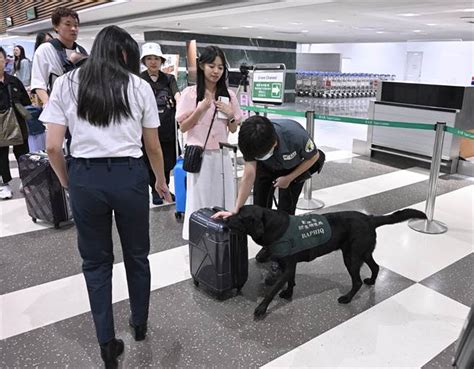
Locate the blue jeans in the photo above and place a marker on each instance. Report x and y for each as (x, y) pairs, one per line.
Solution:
(98, 187)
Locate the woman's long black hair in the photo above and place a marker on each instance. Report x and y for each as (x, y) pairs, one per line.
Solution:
(40, 37)
(18, 59)
(104, 78)
(208, 56)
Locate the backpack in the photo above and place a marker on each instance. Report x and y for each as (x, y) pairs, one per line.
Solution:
(167, 111)
(65, 62)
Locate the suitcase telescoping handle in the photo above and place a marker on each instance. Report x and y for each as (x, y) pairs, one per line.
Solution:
(234, 148)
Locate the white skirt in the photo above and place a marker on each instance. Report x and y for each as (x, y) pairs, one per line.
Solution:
(206, 188)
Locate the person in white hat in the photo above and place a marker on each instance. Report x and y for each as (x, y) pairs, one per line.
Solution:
(166, 92)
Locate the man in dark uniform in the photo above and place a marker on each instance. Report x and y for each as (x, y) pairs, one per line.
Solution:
(166, 92)
(278, 154)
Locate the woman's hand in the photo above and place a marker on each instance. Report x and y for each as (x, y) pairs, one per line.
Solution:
(225, 108)
(163, 191)
(222, 214)
(204, 105)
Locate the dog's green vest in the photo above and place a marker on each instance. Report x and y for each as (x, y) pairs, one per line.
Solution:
(304, 232)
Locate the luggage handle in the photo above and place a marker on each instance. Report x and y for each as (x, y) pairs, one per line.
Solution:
(229, 146)
(218, 208)
(234, 148)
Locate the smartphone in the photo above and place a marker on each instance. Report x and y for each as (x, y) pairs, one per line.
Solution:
(220, 114)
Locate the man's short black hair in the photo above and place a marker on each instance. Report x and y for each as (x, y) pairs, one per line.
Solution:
(256, 137)
(63, 12)
(2, 50)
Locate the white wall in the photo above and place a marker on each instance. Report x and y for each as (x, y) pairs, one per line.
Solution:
(450, 62)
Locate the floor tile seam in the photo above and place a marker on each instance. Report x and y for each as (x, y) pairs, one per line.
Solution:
(446, 267)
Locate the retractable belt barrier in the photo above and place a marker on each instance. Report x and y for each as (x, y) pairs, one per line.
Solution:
(429, 225)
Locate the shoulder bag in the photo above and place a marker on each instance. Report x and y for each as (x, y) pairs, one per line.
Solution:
(193, 153)
(10, 132)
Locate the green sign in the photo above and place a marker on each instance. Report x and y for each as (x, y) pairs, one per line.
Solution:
(267, 90)
(268, 86)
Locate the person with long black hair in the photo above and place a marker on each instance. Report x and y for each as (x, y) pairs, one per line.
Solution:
(22, 66)
(41, 38)
(198, 108)
(108, 108)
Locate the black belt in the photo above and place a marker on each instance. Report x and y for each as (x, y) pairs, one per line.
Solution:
(123, 159)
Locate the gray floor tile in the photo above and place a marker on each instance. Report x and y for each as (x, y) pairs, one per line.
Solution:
(190, 329)
(389, 201)
(455, 281)
(443, 360)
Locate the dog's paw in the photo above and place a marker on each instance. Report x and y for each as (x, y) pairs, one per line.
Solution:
(260, 312)
(369, 281)
(286, 294)
(344, 299)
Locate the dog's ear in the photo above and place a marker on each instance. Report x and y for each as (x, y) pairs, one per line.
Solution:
(254, 225)
(235, 223)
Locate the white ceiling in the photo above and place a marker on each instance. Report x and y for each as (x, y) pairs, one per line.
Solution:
(303, 21)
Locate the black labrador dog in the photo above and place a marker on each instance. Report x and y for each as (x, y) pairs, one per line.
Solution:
(351, 231)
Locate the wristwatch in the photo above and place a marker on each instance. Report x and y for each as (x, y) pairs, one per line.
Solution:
(232, 120)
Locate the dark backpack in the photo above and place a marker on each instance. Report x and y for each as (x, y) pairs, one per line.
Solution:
(65, 62)
(167, 111)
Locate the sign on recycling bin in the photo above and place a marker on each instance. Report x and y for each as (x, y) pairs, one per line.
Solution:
(268, 85)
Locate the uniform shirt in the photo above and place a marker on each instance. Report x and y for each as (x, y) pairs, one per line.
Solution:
(197, 134)
(116, 140)
(294, 145)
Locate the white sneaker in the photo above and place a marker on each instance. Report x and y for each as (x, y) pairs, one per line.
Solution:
(5, 192)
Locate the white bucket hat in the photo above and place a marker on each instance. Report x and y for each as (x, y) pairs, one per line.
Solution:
(152, 48)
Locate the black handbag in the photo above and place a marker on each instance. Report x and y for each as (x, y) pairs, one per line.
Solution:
(193, 153)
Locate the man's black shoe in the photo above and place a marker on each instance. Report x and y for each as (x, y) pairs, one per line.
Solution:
(110, 351)
(138, 330)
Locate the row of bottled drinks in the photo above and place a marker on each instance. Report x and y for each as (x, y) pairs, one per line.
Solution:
(355, 107)
(338, 85)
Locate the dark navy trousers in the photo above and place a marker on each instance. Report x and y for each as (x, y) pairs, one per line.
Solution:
(263, 190)
(100, 188)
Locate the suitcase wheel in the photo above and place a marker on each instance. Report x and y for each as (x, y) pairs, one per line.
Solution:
(178, 215)
(56, 225)
(196, 282)
(34, 219)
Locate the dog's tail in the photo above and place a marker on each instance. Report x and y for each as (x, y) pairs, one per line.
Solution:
(397, 217)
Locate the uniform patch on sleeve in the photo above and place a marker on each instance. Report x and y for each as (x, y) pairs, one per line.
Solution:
(309, 146)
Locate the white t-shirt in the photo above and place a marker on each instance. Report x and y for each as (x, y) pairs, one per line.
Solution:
(116, 140)
(45, 62)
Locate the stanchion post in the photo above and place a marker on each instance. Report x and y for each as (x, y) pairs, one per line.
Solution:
(430, 225)
(307, 202)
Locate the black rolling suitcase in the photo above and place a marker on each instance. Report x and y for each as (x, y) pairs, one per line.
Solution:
(218, 257)
(45, 197)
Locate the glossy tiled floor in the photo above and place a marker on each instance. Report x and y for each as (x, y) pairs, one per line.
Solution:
(409, 319)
